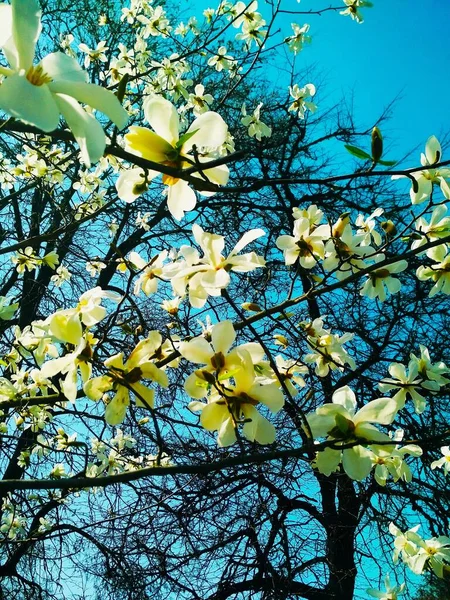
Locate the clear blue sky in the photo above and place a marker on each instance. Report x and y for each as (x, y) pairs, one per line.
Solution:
(401, 49)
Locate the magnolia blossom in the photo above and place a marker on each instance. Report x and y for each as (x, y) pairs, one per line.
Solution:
(391, 462)
(125, 377)
(424, 180)
(209, 275)
(439, 272)
(66, 325)
(327, 350)
(408, 384)
(151, 272)
(392, 591)
(381, 279)
(295, 42)
(437, 228)
(353, 7)
(39, 94)
(418, 553)
(235, 402)
(221, 60)
(302, 100)
(215, 357)
(306, 243)
(256, 128)
(366, 227)
(339, 422)
(444, 462)
(165, 146)
(69, 364)
(345, 252)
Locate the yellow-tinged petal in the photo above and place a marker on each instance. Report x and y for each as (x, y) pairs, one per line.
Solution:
(147, 395)
(196, 388)
(213, 415)
(163, 118)
(115, 362)
(95, 96)
(96, 387)
(66, 326)
(197, 351)
(86, 129)
(327, 461)
(381, 411)
(227, 433)
(258, 428)
(151, 371)
(33, 104)
(223, 336)
(144, 349)
(117, 409)
(143, 142)
(26, 29)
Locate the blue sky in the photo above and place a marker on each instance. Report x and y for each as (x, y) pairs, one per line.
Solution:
(400, 50)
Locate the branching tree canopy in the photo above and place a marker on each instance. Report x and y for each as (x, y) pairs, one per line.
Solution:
(223, 353)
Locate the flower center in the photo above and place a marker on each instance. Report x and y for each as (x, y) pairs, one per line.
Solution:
(37, 76)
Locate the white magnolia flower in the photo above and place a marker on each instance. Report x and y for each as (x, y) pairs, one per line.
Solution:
(391, 593)
(125, 378)
(437, 228)
(340, 422)
(165, 146)
(39, 94)
(235, 402)
(408, 383)
(444, 462)
(439, 272)
(424, 180)
(256, 128)
(296, 42)
(302, 100)
(209, 275)
(306, 243)
(96, 54)
(366, 227)
(353, 7)
(381, 279)
(221, 61)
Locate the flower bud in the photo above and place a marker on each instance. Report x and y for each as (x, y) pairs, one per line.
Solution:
(377, 144)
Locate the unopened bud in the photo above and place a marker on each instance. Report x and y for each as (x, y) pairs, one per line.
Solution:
(377, 144)
(281, 340)
(251, 306)
(388, 227)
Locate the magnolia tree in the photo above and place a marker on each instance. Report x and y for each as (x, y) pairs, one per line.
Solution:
(223, 361)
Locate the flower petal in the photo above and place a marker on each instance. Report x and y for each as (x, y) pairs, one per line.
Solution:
(357, 462)
(86, 129)
(143, 142)
(95, 96)
(61, 66)
(180, 199)
(223, 336)
(381, 411)
(26, 26)
(163, 118)
(211, 132)
(5, 23)
(30, 103)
